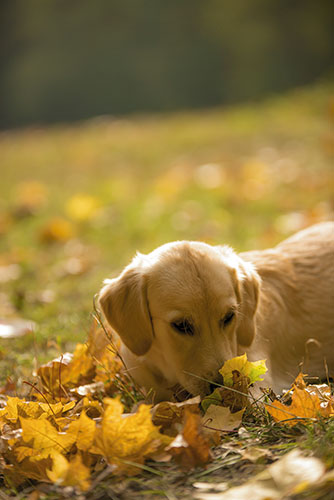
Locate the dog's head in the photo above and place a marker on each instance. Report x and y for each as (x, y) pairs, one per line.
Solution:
(184, 309)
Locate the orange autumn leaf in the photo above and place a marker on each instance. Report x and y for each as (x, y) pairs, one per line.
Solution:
(191, 448)
(311, 401)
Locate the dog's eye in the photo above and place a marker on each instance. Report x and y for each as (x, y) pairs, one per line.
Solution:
(228, 318)
(184, 327)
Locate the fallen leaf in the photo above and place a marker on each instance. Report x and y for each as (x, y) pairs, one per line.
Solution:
(290, 474)
(255, 454)
(251, 369)
(44, 437)
(214, 398)
(11, 328)
(166, 414)
(221, 419)
(68, 370)
(17, 473)
(191, 448)
(69, 473)
(307, 402)
(82, 431)
(127, 438)
(234, 397)
(9, 387)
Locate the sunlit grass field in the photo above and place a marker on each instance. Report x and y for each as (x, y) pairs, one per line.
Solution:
(77, 201)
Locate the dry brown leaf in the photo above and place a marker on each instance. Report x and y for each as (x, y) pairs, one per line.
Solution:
(236, 399)
(291, 474)
(67, 371)
(166, 414)
(220, 418)
(17, 473)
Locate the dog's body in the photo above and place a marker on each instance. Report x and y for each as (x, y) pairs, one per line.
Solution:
(187, 307)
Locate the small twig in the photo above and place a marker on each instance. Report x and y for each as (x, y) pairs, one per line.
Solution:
(41, 394)
(105, 473)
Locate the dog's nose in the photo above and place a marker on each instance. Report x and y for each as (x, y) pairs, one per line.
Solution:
(219, 381)
(212, 387)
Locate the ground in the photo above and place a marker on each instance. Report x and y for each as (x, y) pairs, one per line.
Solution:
(77, 201)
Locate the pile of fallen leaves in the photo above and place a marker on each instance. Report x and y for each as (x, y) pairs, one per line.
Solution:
(84, 414)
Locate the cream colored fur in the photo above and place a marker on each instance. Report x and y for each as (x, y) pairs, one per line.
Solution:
(282, 300)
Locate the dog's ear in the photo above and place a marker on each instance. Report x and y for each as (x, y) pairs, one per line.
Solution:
(248, 287)
(123, 301)
(247, 284)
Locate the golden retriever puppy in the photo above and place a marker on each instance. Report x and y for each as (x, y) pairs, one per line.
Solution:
(187, 307)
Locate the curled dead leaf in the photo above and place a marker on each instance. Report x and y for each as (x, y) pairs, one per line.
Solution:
(168, 415)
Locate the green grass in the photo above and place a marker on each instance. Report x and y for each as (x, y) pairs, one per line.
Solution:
(269, 174)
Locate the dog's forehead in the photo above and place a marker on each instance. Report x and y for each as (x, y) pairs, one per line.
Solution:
(189, 273)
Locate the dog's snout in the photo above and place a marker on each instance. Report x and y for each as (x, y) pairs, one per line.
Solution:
(217, 382)
(212, 387)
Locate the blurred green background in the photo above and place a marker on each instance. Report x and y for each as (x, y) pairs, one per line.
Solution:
(249, 166)
(64, 60)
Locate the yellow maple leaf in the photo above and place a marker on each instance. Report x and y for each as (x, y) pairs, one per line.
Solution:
(22, 452)
(68, 370)
(44, 437)
(83, 431)
(250, 369)
(69, 473)
(10, 412)
(127, 438)
(88, 402)
(17, 407)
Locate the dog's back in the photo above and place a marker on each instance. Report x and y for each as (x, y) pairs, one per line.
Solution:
(298, 281)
